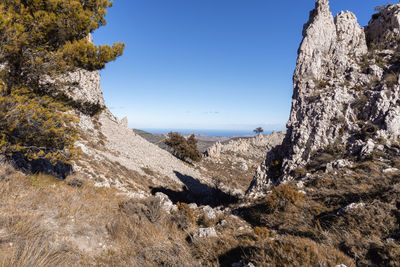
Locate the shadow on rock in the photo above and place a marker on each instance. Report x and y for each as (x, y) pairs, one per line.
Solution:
(197, 192)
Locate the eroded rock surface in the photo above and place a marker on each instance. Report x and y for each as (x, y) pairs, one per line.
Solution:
(346, 91)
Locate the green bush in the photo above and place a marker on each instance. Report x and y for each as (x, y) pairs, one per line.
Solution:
(184, 149)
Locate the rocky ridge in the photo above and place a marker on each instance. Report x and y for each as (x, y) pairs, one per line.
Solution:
(246, 147)
(346, 91)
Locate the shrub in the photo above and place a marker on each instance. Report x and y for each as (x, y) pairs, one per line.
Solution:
(299, 172)
(184, 149)
(391, 79)
(282, 196)
(149, 208)
(294, 251)
(154, 210)
(186, 211)
(322, 84)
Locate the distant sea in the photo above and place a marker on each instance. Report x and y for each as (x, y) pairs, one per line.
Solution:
(228, 133)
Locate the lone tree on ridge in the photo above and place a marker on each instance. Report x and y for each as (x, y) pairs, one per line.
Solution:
(258, 130)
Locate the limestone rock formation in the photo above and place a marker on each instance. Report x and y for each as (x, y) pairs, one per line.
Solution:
(86, 87)
(248, 147)
(346, 91)
(83, 86)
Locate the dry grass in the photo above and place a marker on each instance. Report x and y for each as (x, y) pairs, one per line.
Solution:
(369, 235)
(50, 223)
(46, 222)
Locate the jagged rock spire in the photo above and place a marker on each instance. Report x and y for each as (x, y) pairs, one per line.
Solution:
(322, 5)
(329, 80)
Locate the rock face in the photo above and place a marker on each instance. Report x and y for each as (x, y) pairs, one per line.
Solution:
(84, 86)
(248, 147)
(346, 90)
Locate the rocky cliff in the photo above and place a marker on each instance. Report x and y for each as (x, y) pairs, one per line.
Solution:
(346, 92)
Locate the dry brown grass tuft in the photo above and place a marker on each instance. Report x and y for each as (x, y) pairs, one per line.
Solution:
(282, 197)
(293, 251)
(140, 242)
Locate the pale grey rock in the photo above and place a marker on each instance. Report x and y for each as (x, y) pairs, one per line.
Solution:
(392, 121)
(214, 151)
(300, 184)
(390, 240)
(193, 206)
(132, 153)
(341, 265)
(242, 264)
(83, 86)
(124, 121)
(380, 147)
(209, 213)
(243, 166)
(86, 87)
(335, 90)
(375, 71)
(367, 148)
(351, 206)
(238, 193)
(390, 170)
(166, 203)
(205, 233)
(385, 25)
(338, 164)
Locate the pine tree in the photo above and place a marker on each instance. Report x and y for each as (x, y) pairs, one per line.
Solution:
(41, 40)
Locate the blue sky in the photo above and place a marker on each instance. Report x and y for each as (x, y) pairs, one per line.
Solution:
(207, 64)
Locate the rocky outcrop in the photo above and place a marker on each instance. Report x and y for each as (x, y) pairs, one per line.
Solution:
(246, 147)
(85, 87)
(346, 93)
(82, 86)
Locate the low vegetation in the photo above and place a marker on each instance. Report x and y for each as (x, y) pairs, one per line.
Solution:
(185, 149)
